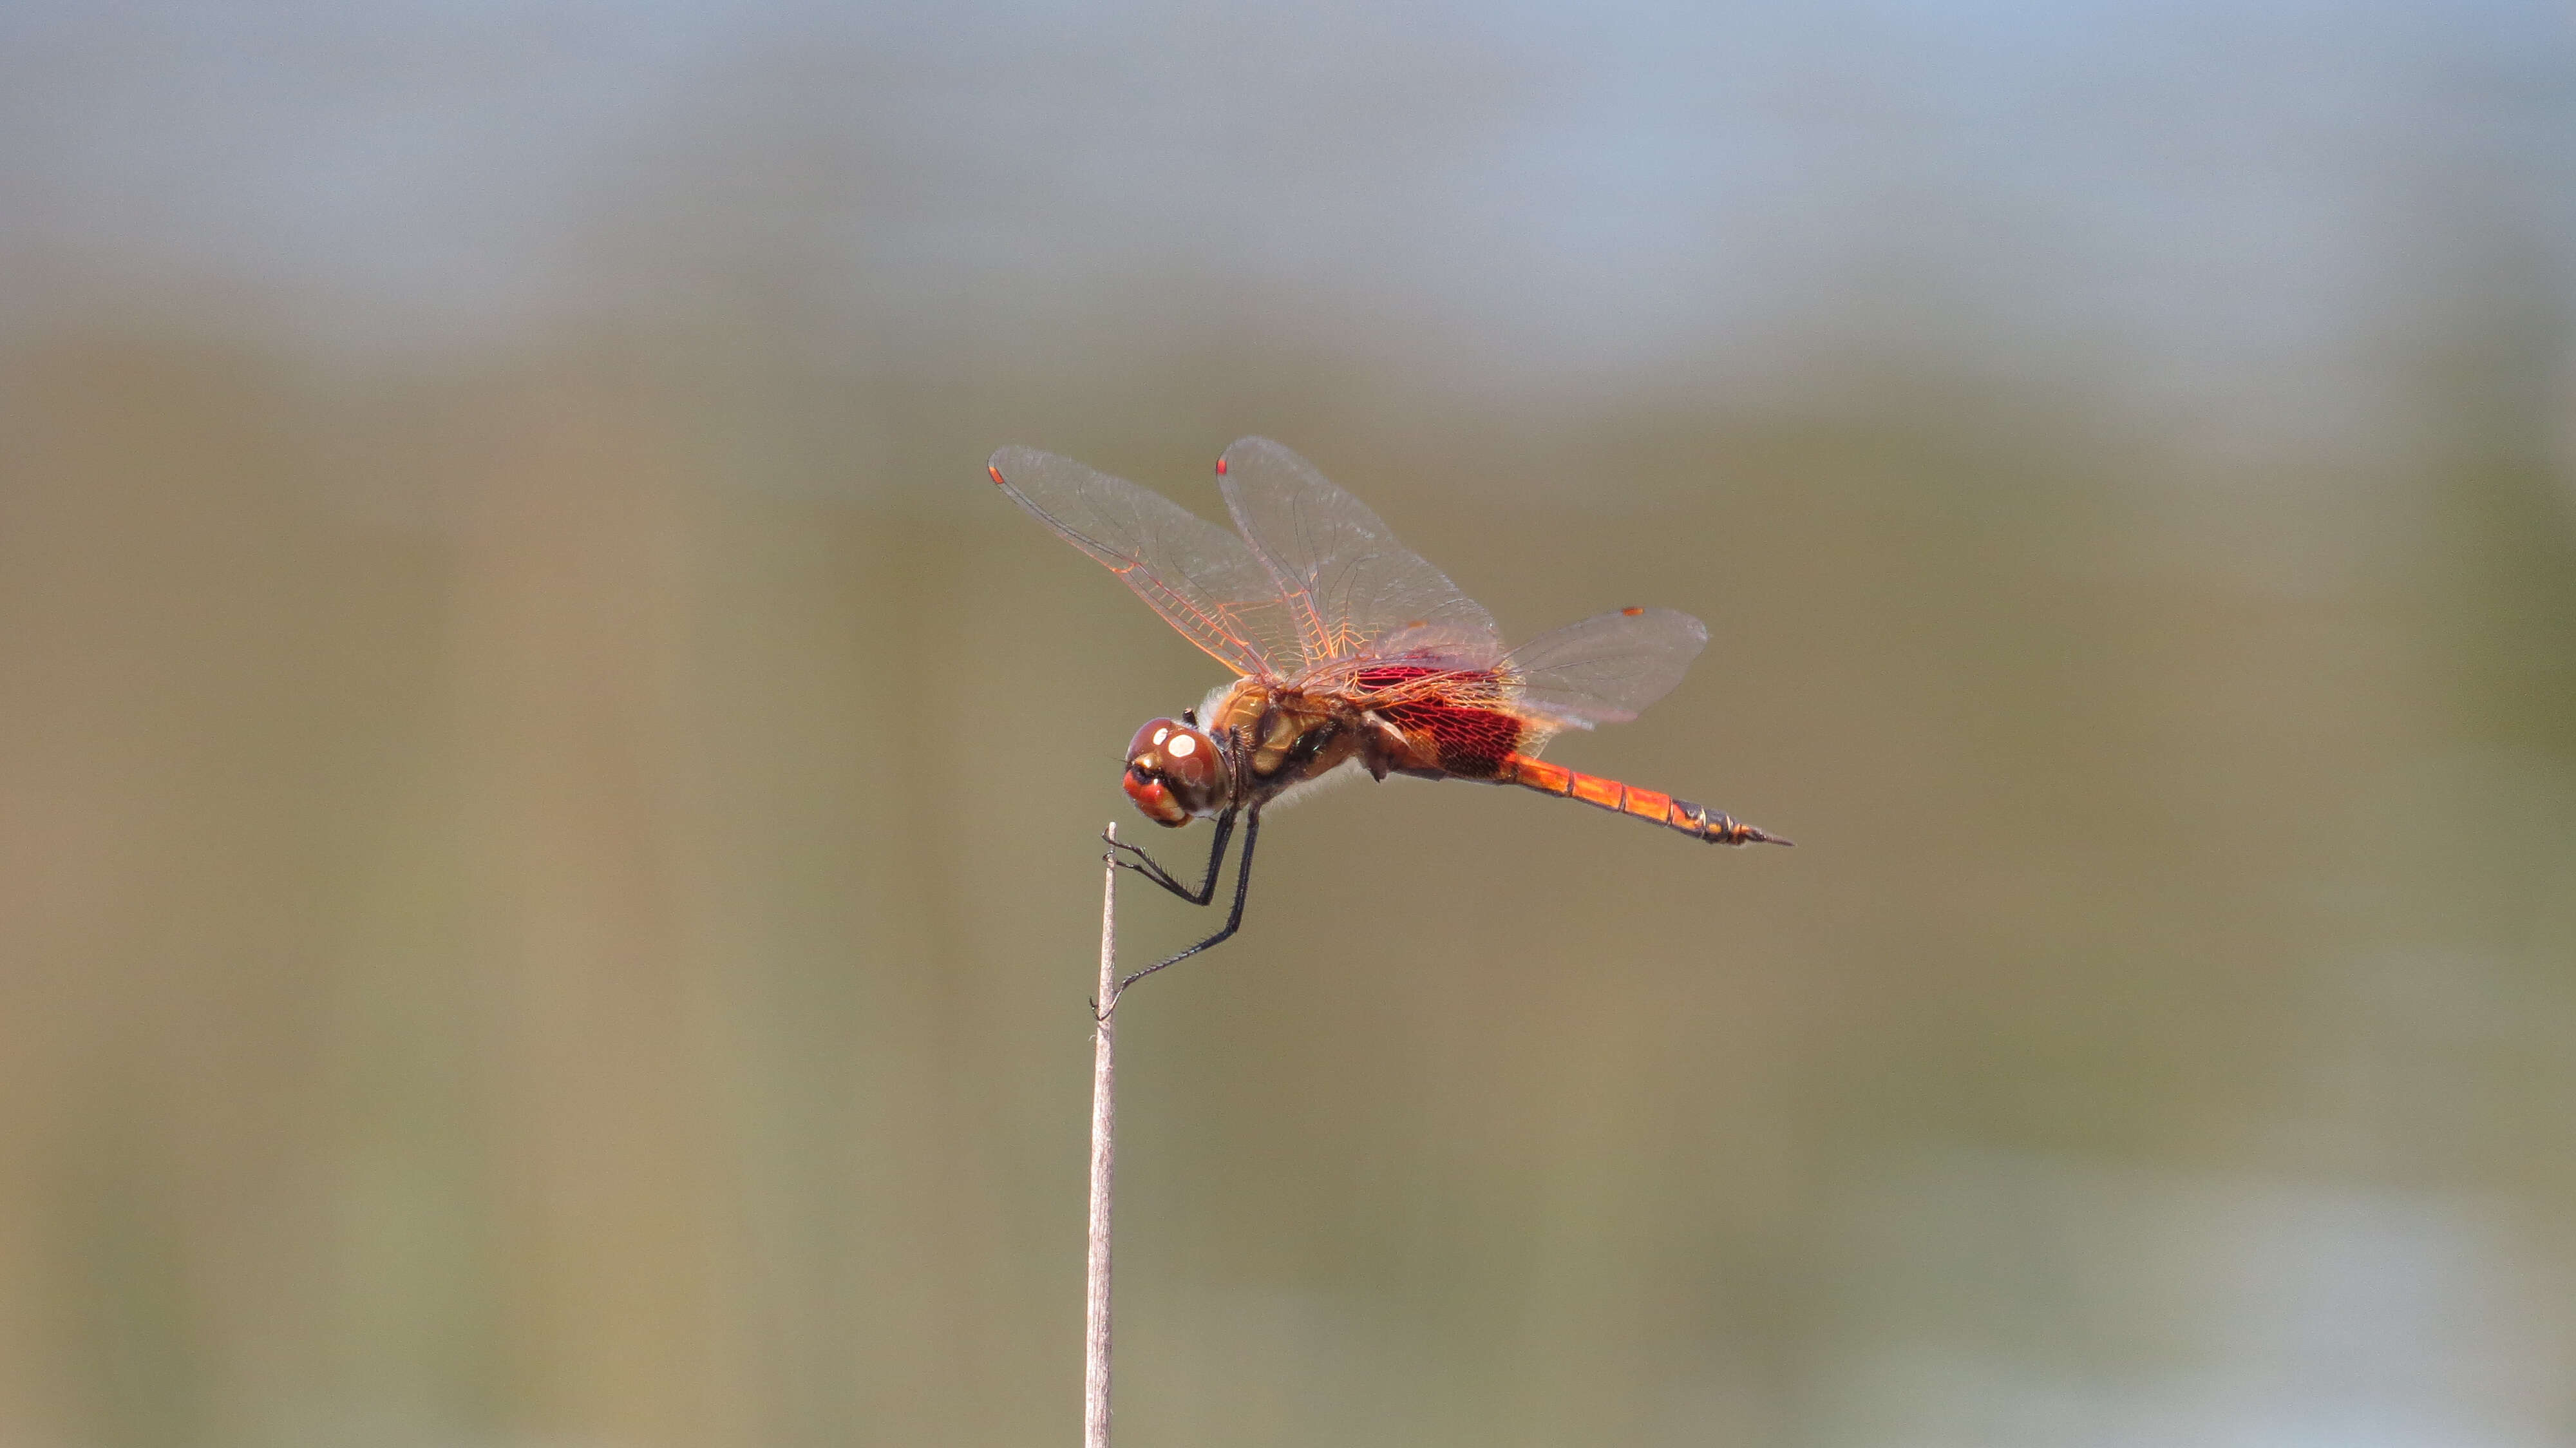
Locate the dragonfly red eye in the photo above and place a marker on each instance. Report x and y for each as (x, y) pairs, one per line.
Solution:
(1174, 772)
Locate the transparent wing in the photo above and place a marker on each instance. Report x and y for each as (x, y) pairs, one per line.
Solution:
(1345, 582)
(1199, 577)
(1607, 668)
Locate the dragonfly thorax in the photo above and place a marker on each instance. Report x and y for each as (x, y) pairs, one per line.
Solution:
(1279, 735)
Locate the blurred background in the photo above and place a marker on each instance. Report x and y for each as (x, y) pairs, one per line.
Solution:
(549, 810)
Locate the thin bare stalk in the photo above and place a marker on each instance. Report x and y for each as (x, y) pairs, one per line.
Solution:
(1104, 1157)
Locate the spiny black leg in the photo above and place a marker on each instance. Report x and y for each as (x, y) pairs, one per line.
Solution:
(1242, 888)
(1145, 865)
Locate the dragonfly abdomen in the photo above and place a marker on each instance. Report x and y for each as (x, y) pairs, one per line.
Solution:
(1699, 822)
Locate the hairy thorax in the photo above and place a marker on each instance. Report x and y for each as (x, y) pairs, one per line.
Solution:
(1286, 735)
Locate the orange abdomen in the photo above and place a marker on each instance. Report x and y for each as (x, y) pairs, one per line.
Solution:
(1697, 821)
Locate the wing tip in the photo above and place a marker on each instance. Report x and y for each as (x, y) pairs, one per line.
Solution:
(1011, 458)
(1642, 610)
(1252, 443)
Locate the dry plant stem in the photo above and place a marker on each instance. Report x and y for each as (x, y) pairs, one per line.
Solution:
(1104, 1156)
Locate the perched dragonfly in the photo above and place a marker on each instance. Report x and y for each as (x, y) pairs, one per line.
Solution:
(1352, 654)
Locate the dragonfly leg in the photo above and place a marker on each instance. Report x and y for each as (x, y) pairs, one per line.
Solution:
(1145, 864)
(1233, 920)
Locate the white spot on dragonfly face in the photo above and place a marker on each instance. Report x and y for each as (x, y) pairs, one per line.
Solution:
(1162, 734)
(1181, 747)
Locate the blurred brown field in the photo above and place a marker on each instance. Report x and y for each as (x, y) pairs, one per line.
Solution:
(549, 812)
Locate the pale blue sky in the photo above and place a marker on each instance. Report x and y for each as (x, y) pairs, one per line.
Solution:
(2216, 191)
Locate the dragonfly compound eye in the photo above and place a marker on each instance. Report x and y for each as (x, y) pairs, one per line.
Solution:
(1174, 772)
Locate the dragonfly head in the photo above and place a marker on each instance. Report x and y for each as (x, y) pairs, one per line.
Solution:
(1175, 773)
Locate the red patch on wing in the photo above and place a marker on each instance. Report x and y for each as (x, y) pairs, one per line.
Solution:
(1470, 742)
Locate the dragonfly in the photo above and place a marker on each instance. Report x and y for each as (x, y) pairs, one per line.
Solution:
(1351, 655)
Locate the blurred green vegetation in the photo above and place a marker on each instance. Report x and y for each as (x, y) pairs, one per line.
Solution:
(598, 950)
